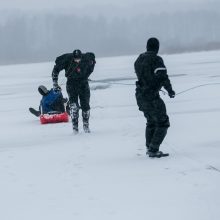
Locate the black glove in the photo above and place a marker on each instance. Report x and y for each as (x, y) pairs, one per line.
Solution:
(56, 87)
(171, 93)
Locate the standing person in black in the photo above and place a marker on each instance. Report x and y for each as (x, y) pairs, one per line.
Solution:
(78, 68)
(152, 76)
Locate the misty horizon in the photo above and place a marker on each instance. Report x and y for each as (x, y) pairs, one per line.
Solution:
(42, 34)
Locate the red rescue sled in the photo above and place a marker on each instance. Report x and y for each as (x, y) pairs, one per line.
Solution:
(54, 118)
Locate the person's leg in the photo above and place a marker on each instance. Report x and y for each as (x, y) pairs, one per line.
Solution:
(161, 126)
(74, 114)
(67, 107)
(58, 105)
(158, 137)
(149, 131)
(148, 109)
(74, 105)
(34, 112)
(85, 116)
(84, 96)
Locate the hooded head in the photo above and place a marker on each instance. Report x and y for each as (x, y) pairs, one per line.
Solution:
(77, 54)
(153, 44)
(43, 90)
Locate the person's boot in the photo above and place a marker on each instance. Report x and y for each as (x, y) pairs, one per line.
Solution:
(158, 137)
(34, 112)
(154, 152)
(147, 150)
(157, 154)
(74, 113)
(85, 116)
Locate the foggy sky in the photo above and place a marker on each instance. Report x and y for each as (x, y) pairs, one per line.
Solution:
(40, 30)
(106, 8)
(50, 4)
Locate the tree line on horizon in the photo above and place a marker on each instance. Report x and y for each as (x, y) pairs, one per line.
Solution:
(44, 36)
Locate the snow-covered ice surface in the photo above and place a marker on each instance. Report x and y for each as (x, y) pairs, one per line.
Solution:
(47, 173)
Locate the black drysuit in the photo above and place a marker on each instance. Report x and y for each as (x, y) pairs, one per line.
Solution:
(77, 74)
(152, 76)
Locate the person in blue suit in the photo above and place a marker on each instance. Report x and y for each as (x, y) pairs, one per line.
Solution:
(52, 102)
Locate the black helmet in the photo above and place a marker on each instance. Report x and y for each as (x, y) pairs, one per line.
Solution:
(153, 44)
(42, 90)
(77, 54)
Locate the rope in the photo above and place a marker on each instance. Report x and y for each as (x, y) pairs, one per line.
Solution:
(100, 81)
(164, 92)
(192, 88)
(195, 87)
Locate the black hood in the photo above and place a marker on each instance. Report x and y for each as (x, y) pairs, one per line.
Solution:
(153, 45)
(43, 90)
(77, 54)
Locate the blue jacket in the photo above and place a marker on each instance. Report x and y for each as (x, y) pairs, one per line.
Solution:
(52, 102)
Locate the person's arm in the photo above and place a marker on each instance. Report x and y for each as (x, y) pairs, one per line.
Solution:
(90, 68)
(55, 74)
(138, 66)
(88, 63)
(160, 72)
(85, 70)
(60, 64)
